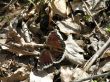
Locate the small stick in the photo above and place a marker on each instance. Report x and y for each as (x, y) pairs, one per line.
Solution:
(26, 32)
(92, 77)
(10, 3)
(98, 4)
(31, 44)
(89, 12)
(97, 54)
(16, 49)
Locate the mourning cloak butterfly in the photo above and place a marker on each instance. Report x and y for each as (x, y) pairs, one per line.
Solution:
(54, 53)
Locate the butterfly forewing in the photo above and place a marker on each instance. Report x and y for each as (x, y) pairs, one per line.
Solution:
(55, 41)
(56, 45)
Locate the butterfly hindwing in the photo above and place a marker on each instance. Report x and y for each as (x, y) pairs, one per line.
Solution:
(45, 59)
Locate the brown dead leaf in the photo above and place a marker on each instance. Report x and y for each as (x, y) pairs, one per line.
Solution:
(68, 27)
(106, 67)
(72, 51)
(80, 74)
(41, 76)
(19, 75)
(66, 74)
(59, 7)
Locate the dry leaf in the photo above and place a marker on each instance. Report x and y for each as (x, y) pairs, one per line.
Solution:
(66, 74)
(19, 75)
(105, 68)
(68, 27)
(91, 4)
(41, 76)
(80, 74)
(106, 53)
(59, 7)
(77, 5)
(72, 51)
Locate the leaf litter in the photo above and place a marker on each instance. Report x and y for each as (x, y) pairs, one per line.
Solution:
(82, 39)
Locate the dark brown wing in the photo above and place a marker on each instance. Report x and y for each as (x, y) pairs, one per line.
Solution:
(45, 59)
(56, 45)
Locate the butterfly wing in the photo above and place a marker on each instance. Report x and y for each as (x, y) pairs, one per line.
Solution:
(45, 59)
(57, 46)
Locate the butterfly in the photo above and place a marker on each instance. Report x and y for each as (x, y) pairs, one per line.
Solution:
(54, 53)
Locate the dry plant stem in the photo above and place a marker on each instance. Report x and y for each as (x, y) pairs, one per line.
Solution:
(98, 11)
(26, 32)
(89, 12)
(16, 49)
(19, 75)
(10, 3)
(97, 5)
(97, 54)
(31, 44)
(92, 77)
(18, 35)
(71, 11)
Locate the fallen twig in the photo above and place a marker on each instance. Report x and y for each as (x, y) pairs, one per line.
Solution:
(96, 55)
(31, 44)
(97, 5)
(92, 77)
(26, 32)
(10, 3)
(89, 12)
(16, 49)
